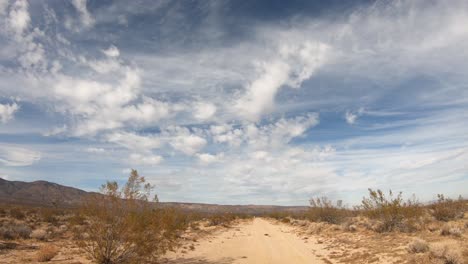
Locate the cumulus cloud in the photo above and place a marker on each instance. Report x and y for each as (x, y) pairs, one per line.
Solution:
(204, 110)
(17, 156)
(207, 158)
(7, 112)
(185, 141)
(271, 135)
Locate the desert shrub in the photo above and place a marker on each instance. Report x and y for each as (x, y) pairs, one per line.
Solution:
(49, 215)
(324, 210)
(14, 231)
(47, 253)
(124, 227)
(39, 234)
(446, 209)
(222, 219)
(17, 213)
(418, 246)
(391, 211)
(77, 219)
(2, 212)
(447, 252)
(449, 230)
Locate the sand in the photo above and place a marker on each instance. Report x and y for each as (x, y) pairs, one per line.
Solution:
(259, 241)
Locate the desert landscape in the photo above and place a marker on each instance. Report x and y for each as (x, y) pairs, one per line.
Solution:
(385, 229)
(233, 131)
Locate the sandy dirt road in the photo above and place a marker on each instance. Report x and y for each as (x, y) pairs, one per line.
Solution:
(259, 241)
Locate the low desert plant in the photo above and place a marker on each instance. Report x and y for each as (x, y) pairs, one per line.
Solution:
(449, 230)
(447, 252)
(14, 231)
(124, 227)
(324, 210)
(47, 253)
(446, 209)
(17, 213)
(418, 246)
(39, 234)
(392, 211)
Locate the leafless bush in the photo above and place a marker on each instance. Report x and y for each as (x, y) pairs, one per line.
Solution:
(47, 253)
(124, 227)
(418, 246)
(391, 211)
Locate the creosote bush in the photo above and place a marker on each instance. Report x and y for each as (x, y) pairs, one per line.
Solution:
(124, 227)
(324, 210)
(446, 209)
(392, 211)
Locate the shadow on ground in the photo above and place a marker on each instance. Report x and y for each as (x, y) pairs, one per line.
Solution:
(198, 261)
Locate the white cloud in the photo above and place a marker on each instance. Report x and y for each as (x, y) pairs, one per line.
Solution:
(272, 135)
(17, 156)
(139, 159)
(131, 141)
(295, 64)
(204, 110)
(19, 18)
(207, 158)
(350, 117)
(112, 51)
(7, 112)
(56, 131)
(95, 150)
(85, 17)
(3, 6)
(183, 140)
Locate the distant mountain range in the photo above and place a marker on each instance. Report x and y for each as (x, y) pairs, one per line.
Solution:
(48, 194)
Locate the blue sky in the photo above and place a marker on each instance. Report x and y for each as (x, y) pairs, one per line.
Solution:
(237, 102)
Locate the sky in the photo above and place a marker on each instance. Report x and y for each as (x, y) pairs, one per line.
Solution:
(237, 102)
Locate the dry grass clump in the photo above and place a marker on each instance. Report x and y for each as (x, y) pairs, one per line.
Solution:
(418, 246)
(123, 227)
(324, 210)
(446, 209)
(391, 212)
(449, 230)
(447, 252)
(47, 253)
(13, 230)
